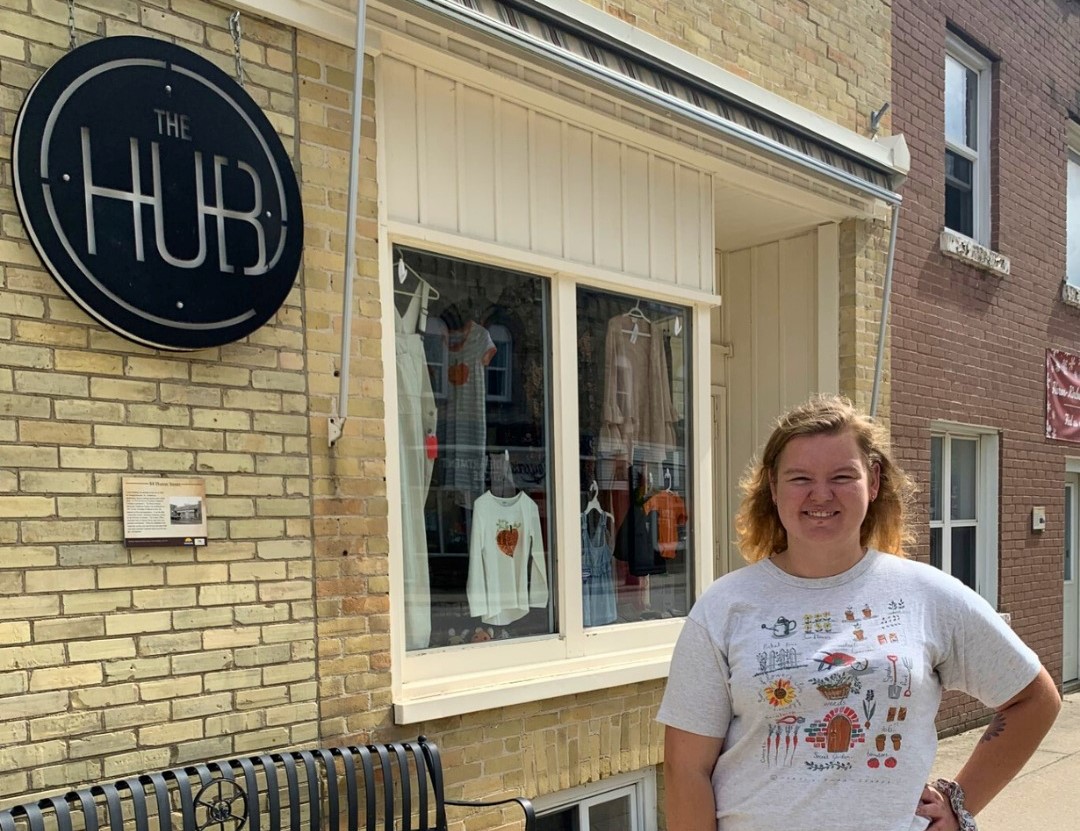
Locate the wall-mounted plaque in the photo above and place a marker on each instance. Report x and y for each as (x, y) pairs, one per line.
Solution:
(164, 511)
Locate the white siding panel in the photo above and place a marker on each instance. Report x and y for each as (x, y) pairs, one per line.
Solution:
(743, 435)
(513, 194)
(798, 314)
(635, 211)
(439, 156)
(578, 188)
(476, 196)
(770, 320)
(400, 136)
(662, 219)
(463, 159)
(607, 202)
(688, 245)
(545, 181)
(766, 357)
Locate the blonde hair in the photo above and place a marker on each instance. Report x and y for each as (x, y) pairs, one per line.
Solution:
(757, 523)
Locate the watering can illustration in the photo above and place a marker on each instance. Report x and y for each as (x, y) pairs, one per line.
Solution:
(782, 628)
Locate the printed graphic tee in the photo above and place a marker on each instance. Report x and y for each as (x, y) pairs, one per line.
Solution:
(507, 568)
(825, 690)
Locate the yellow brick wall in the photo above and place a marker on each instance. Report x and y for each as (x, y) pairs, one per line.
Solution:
(350, 512)
(114, 661)
(831, 56)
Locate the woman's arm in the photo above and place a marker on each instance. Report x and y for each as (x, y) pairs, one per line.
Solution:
(689, 760)
(1015, 732)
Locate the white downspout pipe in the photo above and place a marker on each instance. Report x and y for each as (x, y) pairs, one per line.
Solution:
(337, 422)
(886, 294)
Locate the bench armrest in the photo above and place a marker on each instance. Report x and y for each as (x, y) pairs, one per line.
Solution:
(525, 805)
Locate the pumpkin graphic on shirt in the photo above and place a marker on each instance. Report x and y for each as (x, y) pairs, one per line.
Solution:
(458, 374)
(506, 538)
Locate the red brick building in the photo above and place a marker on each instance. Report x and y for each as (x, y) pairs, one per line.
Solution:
(988, 96)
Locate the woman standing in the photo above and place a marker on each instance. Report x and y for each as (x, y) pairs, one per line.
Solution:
(803, 689)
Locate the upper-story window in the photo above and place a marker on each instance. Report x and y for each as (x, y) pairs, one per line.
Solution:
(1072, 227)
(967, 141)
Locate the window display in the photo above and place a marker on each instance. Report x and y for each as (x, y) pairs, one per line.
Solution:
(633, 390)
(476, 429)
(474, 400)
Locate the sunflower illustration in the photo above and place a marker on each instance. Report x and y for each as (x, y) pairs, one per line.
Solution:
(780, 693)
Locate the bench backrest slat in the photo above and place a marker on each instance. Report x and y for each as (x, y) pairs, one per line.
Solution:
(378, 787)
(161, 797)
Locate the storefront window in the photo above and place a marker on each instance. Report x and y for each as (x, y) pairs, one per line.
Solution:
(474, 404)
(633, 395)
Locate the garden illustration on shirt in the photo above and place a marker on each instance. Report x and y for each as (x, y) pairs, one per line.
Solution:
(835, 690)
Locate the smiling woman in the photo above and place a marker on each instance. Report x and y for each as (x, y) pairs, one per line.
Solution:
(791, 705)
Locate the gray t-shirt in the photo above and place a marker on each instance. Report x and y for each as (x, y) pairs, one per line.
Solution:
(825, 690)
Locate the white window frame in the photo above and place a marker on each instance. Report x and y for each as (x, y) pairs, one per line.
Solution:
(987, 477)
(978, 63)
(440, 682)
(437, 328)
(1072, 207)
(640, 785)
(501, 337)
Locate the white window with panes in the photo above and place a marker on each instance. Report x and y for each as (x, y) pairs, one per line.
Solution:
(626, 802)
(1072, 208)
(963, 505)
(967, 141)
(546, 479)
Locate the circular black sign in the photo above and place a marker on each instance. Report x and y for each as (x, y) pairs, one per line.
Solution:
(157, 193)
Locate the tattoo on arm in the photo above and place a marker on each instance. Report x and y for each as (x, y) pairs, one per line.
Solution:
(995, 728)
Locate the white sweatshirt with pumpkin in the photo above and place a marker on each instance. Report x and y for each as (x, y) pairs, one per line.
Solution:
(507, 567)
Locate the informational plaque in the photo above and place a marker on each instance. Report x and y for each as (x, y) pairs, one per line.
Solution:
(164, 512)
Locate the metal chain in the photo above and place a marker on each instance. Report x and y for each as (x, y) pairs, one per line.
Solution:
(234, 29)
(71, 24)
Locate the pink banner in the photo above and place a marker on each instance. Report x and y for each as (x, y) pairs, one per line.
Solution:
(1062, 395)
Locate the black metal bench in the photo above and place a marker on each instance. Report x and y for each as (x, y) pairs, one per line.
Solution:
(396, 787)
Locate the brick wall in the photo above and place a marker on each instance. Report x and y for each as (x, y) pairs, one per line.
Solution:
(115, 660)
(350, 512)
(969, 347)
(834, 56)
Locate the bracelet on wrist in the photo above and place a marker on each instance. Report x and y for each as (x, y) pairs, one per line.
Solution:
(955, 794)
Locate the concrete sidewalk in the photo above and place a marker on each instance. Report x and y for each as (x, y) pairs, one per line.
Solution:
(1046, 794)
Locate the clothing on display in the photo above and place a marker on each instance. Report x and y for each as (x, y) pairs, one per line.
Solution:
(636, 542)
(507, 565)
(417, 417)
(597, 583)
(670, 510)
(470, 351)
(828, 688)
(638, 415)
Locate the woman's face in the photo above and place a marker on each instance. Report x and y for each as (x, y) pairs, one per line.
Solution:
(822, 489)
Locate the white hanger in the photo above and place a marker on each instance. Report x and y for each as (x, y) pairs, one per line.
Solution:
(403, 270)
(594, 504)
(636, 332)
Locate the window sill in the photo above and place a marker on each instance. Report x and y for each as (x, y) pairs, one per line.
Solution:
(1070, 295)
(966, 250)
(453, 696)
